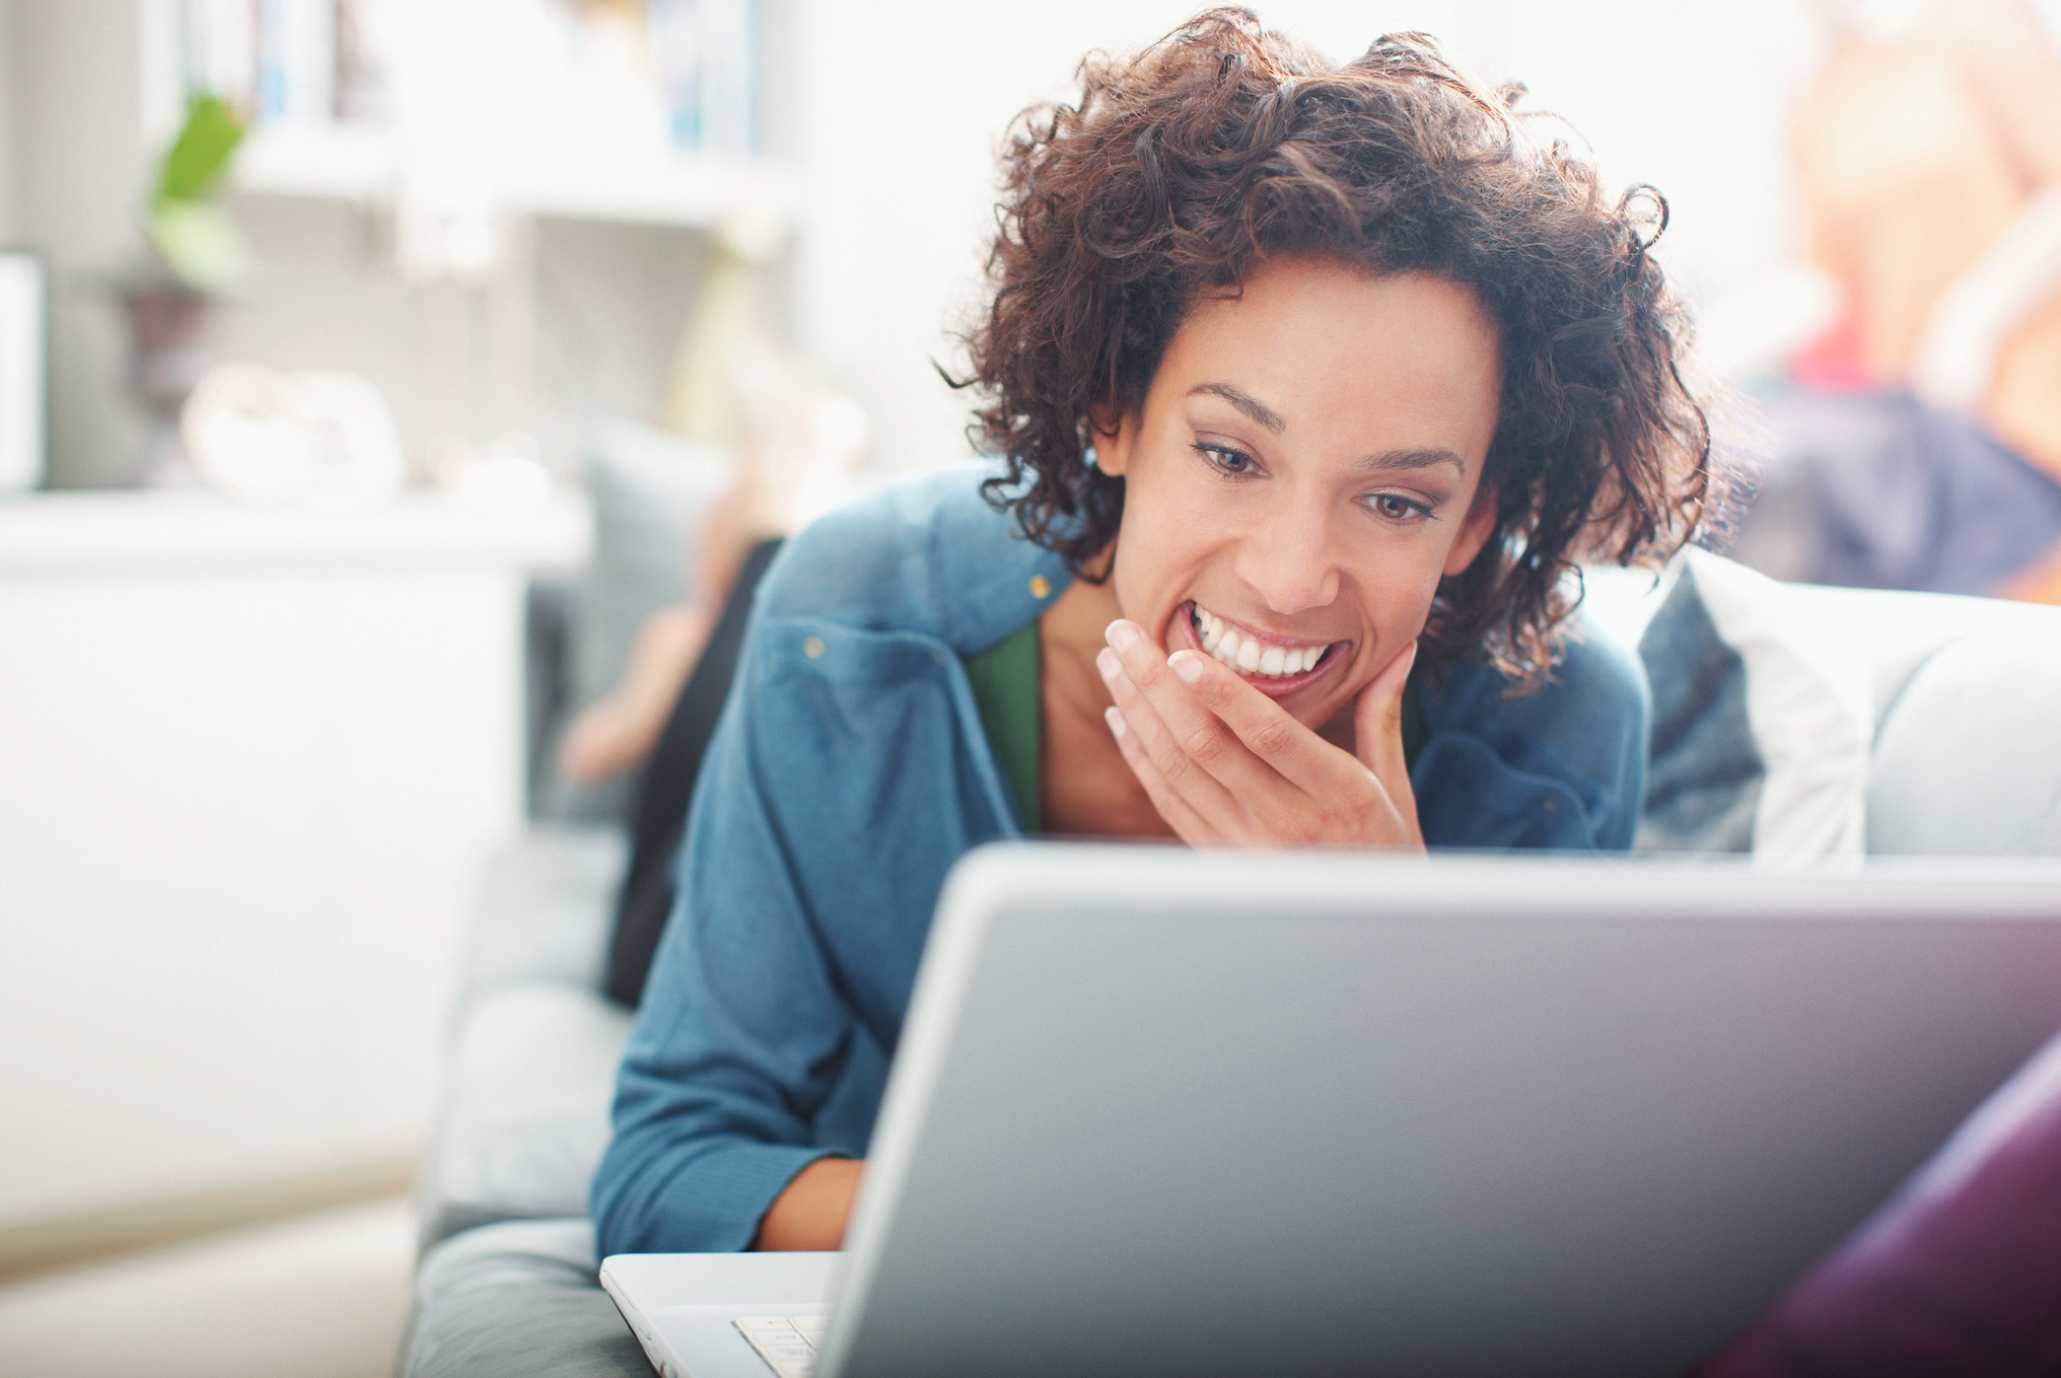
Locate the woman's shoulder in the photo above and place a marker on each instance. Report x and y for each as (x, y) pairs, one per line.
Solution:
(926, 554)
(1596, 680)
(1548, 766)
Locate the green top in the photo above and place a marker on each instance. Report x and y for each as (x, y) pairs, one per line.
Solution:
(1005, 687)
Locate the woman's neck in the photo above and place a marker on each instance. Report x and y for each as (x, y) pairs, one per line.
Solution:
(1085, 786)
(1071, 634)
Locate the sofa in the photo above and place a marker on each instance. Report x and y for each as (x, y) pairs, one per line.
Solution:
(1800, 724)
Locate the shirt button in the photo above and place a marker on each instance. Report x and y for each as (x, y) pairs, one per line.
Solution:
(1040, 586)
(813, 647)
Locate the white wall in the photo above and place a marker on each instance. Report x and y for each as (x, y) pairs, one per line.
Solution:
(1692, 98)
(903, 115)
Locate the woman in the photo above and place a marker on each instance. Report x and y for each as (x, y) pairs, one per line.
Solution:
(1312, 382)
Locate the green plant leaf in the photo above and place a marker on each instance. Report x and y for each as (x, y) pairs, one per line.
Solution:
(198, 242)
(199, 158)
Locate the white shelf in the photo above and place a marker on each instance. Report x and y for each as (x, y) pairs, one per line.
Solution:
(123, 531)
(343, 163)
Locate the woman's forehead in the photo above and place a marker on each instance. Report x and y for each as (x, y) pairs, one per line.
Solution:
(1332, 352)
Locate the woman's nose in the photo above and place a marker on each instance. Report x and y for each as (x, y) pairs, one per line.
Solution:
(1288, 563)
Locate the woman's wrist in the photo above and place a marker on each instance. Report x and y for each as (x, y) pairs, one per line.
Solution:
(810, 1214)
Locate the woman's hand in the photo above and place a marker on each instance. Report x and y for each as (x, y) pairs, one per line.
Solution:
(1226, 765)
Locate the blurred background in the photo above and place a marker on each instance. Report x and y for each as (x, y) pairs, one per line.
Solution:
(389, 393)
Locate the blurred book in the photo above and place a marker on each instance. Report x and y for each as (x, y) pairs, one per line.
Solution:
(324, 61)
(706, 54)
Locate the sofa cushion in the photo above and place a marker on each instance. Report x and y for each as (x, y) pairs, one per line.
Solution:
(517, 1301)
(1762, 709)
(544, 907)
(1896, 633)
(527, 1117)
(1964, 763)
(650, 492)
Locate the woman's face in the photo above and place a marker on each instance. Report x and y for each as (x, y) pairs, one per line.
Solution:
(1304, 470)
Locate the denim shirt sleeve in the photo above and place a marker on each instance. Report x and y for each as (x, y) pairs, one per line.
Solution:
(1564, 768)
(742, 1030)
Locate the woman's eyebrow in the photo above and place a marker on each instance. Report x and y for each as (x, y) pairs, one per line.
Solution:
(1409, 459)
(1259, 411)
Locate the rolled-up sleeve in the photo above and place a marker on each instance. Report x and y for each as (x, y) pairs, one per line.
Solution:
(742, 1030)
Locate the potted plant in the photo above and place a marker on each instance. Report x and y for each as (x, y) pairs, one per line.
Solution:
(195, 254)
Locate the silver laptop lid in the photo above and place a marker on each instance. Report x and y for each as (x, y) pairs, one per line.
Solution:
(1158, 1111)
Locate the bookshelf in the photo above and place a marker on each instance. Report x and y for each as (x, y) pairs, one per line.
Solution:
(684, 189)
(323, 82)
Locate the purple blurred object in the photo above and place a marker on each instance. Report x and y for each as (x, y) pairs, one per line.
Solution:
(1880, 490)
(1959, 1274)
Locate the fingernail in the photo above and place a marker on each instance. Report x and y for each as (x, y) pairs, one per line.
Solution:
(1187, 665)
(1115, 721)
(1121, 634)
(1108, 664)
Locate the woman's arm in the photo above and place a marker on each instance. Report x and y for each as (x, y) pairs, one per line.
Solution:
(744, 1028)
(814, 1209)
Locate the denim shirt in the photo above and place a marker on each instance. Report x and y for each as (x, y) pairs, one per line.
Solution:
(850, 769)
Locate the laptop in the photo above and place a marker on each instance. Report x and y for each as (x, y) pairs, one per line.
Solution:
(1158, 1111)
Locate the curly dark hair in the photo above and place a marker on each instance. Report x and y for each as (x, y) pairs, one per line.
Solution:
(1224, 144)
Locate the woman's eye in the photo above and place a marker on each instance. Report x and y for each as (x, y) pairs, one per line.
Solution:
(1228, 462)
(1399, 509)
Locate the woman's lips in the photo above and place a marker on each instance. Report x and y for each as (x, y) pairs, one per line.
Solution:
(1273, 686)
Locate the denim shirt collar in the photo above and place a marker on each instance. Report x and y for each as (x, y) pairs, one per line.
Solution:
(954, 569)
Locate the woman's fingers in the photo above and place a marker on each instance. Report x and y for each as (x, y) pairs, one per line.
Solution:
(1222, 762)
(1210, 714)
(1171, 751)
(1269, 733)
(1183, 819)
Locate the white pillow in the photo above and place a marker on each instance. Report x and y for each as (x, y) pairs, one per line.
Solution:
(1762, 713)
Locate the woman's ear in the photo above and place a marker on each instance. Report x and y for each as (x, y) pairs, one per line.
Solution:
(1474, 532)
(1112, 436)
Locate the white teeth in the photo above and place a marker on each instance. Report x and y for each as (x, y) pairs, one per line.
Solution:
(1243, 653)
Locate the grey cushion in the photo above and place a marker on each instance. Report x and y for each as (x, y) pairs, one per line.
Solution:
(650, 491)
(1968, 757)
(544, 909)
(1899, 632)
(517, 1301)
(536, 1046)
(527, 1118)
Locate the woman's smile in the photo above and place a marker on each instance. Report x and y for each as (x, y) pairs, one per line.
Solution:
(1275, 666)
